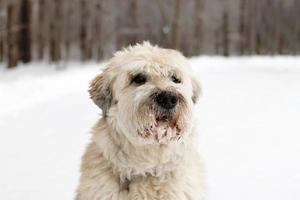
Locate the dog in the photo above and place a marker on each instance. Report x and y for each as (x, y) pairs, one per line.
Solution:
(144, 146)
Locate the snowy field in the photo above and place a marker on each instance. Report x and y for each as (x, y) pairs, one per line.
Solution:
(249, 128)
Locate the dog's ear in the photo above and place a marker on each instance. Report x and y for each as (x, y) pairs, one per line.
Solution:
(196, 90)
(100, 92)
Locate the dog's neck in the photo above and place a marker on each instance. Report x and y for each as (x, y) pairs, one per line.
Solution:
(129, 161)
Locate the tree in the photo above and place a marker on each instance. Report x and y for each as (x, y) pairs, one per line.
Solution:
(198, 34)
(1, 46)
(95, 29)
(55, 32)
(176, 25)
(225, 31)
(12, 35)
(217, 41)
(297, 26)
(24, 39)
(242, 26)
(85, 42)
(1, 37)
(98, 29)
(67, 35)
(257, 31)
(41, 30)
(3, 21)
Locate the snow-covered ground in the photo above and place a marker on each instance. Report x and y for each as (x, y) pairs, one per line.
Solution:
(249, 128)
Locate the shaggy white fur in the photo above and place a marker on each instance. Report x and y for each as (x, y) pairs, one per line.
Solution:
(139, 150)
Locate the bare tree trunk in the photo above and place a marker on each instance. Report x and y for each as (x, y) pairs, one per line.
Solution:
(85, 46)
(1, 35)
(83, 30)
(176, 25)
(12, 35)
(277, 32)
(225, 30)
(280, 45)
(3, 31)
(242, 21)
(98, 29)
(294, 41)
(248, 26)
(1, 47)
(256, 24)
(198, 35)
(41, 31)
(264, 33)
(25, 32)
(297, 32)
(298, 39)
(2, 28)
(55, 34)
(67, 26)
(297, 26)
(248, 31)
(217, 41)
(258, 43)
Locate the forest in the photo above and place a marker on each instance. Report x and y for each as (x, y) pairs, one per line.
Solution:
(62, 30)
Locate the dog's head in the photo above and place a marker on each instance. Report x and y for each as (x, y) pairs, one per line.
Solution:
(146, 93)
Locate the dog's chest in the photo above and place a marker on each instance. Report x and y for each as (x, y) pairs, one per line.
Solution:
(157, 188)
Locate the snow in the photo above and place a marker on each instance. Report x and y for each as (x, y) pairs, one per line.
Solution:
(248, 125)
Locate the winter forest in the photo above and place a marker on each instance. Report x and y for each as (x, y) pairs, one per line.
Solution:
(61, 30)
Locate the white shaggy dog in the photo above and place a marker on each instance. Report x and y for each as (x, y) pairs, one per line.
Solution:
(143, 148)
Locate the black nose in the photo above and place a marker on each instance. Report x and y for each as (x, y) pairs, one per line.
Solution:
(166, 99)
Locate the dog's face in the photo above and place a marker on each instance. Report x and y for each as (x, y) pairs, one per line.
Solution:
(146, 93)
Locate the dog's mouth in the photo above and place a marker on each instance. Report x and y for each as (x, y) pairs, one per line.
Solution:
(164, 117)
(165, 128)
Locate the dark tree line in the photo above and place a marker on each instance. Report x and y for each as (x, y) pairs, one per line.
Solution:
(56, 30)
(15, 32)
(269, 27)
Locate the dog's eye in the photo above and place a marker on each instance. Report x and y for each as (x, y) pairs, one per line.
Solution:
(175, 79)
(139, 79)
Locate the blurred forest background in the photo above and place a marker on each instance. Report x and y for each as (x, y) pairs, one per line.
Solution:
(62, 30)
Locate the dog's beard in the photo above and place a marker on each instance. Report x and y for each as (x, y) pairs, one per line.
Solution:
(160, 126)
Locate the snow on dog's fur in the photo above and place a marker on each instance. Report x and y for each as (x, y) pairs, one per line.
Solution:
(143, 146)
